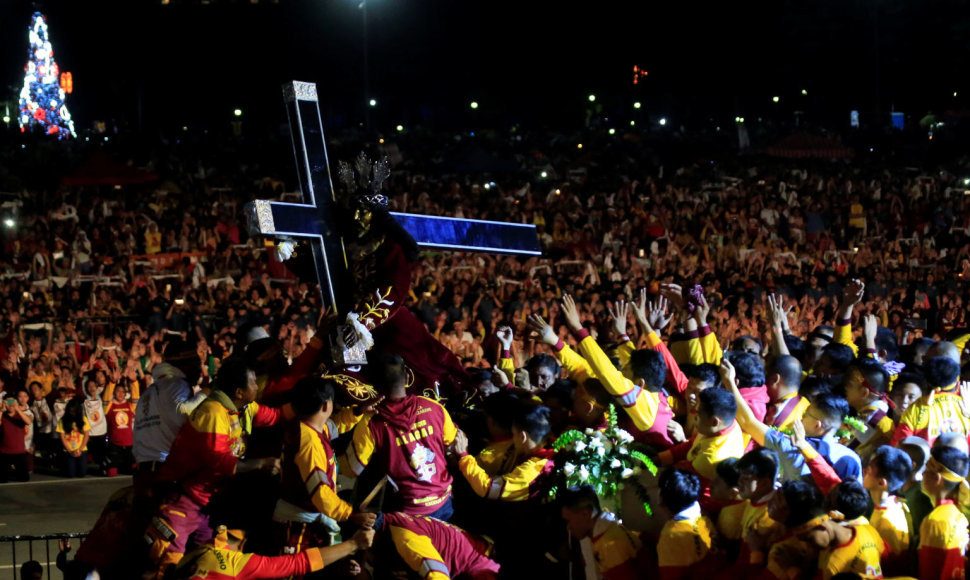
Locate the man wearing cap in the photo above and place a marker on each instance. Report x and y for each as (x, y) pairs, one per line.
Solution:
(223, 558)
(164, 407)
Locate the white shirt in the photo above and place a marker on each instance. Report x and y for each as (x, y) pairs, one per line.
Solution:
(161, 412)
(94, 411)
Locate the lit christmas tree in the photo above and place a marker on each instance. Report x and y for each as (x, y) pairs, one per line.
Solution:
(42, 98)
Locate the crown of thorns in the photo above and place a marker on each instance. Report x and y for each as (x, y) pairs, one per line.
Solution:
(364, 180)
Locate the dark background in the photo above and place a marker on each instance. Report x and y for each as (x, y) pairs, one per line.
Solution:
(141, 64)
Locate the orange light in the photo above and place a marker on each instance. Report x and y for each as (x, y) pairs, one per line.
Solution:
(67, 82)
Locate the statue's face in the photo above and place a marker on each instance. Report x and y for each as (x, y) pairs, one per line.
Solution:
(362, 216)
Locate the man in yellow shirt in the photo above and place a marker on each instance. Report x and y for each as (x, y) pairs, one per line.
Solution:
(685, 541)
(718, 437)
(616, 551)
(888, 469)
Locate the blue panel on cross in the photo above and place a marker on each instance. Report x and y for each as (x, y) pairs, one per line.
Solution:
(470, 235)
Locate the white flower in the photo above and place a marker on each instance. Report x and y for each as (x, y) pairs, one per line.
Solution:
(600, 451)
(569, 469)
(578, 446)
(596, 444)
(624, 435)
(589, 431)
(615, 463)
(583, 473)
(626, 473)
(623, 450)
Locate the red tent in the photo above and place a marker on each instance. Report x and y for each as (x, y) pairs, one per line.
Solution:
(102, 170)
(802, 145)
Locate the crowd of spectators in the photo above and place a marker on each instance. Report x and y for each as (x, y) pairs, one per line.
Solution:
(92, 279)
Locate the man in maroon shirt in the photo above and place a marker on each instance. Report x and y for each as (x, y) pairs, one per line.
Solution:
(13, 449)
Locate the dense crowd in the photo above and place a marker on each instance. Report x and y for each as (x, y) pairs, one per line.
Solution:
(793, 366)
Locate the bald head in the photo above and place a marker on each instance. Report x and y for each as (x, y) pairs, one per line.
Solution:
(955, 440)
(944, 348)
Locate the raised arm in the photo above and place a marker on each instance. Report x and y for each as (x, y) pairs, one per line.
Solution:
(778, 318)
(746, 417)
(851, 296)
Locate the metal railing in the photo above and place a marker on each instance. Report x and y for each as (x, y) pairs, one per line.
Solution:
(48, 564)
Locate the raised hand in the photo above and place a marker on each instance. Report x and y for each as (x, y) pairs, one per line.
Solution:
(571, 313)
(701, 311)
(674, 295)
(504, 335)
(536, 324)
(852, 293)
(656, 314)
(619, 314)
(728, 374)
(870, 326)
(640, 306)
(777, 313)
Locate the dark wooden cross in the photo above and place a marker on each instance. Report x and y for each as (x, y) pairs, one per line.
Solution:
(313, 220)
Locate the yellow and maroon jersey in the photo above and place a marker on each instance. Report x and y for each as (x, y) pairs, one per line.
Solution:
(729, 521)
(895, 524)
(648, 412)
(930, 420)
(213, 563)
(408, 437)
(682, 546)
(943, 543)
(525, 481)
(861, 555)
(497, 458)
(309, 478)
(704, 452)
(437, 550)
(208, 446)
(618, 552)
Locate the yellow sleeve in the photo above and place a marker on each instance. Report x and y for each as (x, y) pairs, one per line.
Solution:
(108, 392)
(711, 348)
(419, 554)
(87, 424)
(311, 460)
(640, 405)
(577, 367)
(450, 431)
(342, 421)
(360, 449)
(843, 335)
(507, 366)
(624, 351)
(513, 486)
(135, 390)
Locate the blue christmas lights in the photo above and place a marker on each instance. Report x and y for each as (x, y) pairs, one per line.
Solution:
(42, 105)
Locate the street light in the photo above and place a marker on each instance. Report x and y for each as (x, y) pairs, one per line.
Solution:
(804, 93)
(399, 128)
(372, 102)
(237, 112)
(474, 104)
(612, 131)
(637, 105)
(592, 98)
(775, 99)
(663, 121)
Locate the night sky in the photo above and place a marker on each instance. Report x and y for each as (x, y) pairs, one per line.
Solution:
(525, 61)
